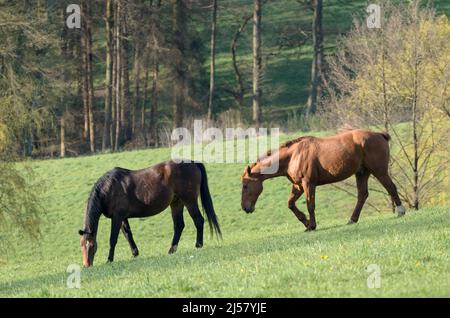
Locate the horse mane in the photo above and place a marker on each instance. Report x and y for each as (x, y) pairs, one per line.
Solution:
(345, 128)
(95, 205)
(287, 144)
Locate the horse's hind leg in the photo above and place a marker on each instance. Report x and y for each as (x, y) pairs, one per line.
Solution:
(390, 187)
(198, 219)
(362, 179)
(126, 230)
(178, 224)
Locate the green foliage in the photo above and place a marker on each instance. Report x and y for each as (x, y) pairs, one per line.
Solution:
(26, 79)
(25, 46)
(399, 73)
(20, 206)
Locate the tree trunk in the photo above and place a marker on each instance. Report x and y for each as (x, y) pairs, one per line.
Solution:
(90, 78)
(62, 137)
(117, 79)
(84, 69)
(126, 109)
(153, 128)
(317, 63)
(239, 94)
(213, 60)
(179, 27)
(106, 143)
(154, 140)
(137, 81)
(257, 61)
(144, 101)
(415, 137)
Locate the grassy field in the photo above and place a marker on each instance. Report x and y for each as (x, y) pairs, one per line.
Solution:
(265, 254)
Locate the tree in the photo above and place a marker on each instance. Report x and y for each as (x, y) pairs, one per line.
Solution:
(179, 64)
(23, 112)
(154, 58)
(126, 119)
(398, 74)
(213, 59)
(317, 63)
(86, 73)
(109, 14)
(257, 62)
(239, 92)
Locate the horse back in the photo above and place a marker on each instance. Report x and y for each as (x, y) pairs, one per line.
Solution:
(333, 159)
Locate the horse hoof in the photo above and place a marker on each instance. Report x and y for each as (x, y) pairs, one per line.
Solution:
(173, 249)
(310, 229)
(401, 210)
(351, 222)
(198, 246)
(135, 253)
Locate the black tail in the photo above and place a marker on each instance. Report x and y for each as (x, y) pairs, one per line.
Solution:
(207, 203)
(385, 135)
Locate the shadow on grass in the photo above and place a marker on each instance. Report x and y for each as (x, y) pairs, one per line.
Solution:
(257, 246)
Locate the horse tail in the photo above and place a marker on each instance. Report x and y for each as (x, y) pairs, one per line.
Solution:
(207, 203)
(386, 135)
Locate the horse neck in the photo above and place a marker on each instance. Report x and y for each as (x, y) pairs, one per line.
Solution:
(91, 220)
(283, 161)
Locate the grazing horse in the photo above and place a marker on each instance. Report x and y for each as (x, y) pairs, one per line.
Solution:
(309, 162)
(121, 194)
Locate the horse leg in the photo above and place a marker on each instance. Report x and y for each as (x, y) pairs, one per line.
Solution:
(362, 179)
(390, 187)
(198, 219)
(310, 193)
(126, 230)
(296, 193)
(178, 224)
(116, 223)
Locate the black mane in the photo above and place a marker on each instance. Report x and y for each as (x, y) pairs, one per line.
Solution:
(96, 204)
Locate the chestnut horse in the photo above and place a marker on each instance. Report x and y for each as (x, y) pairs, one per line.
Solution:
(309, 162)
(122, 194)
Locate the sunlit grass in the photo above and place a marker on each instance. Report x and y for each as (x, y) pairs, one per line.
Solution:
(266, 253)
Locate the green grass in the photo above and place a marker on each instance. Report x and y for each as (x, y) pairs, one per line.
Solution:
(263, 254)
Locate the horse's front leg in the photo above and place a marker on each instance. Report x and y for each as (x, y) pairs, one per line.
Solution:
(296, 193)
(310, 193)
(116, 223)
(126, 230)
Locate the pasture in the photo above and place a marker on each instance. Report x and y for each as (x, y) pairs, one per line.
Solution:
(264, 254)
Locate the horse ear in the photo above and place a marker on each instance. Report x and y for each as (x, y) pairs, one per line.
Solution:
(249, 171)
(81, 232)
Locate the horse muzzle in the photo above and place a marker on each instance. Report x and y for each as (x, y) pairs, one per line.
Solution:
(248, 210)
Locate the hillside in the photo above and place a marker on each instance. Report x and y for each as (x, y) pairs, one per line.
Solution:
(266, 253)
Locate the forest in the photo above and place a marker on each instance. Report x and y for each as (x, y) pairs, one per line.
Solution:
(111, 75)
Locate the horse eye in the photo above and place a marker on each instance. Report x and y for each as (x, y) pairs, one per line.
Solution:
(245, 187)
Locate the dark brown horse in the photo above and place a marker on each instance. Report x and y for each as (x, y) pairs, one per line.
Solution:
(121, 194)
(309, 162)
